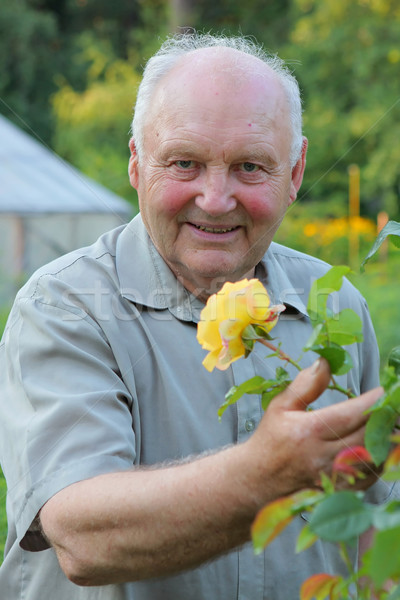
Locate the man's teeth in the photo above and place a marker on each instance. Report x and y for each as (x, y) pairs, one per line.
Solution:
(214, 229)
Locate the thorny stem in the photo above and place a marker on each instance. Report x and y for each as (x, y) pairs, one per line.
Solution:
(339, 388)
(283, 356)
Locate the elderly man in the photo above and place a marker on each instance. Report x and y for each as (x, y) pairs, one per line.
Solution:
(122, 482)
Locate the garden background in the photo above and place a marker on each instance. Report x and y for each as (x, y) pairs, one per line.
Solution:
(69, 70)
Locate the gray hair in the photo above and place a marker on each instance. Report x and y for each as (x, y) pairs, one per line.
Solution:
(178, 45)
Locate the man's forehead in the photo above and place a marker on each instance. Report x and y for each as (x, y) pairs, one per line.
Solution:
(216, 72)
(218, 61)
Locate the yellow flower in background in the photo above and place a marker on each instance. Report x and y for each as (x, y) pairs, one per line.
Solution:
(325, 232)
(226, 316)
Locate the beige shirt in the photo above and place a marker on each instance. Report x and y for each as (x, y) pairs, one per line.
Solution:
(101, 371)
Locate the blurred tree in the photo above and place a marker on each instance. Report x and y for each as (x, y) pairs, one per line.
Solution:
(90, 52)
(350, 60)
(92, 126)
(107, 21)
(182, 15)
(269, 22)
(29, 46)
(93, 117)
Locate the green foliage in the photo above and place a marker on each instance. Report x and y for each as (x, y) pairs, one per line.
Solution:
(338, 516)
(321, 289)
(392, 229)
(269, 22)
(351, 96)
(98, 117)
(341, 517)
(267, 388)
(379, 427)
(331, 331)
(272, 519)
(28, 37)
(350, 93)
(385, 565)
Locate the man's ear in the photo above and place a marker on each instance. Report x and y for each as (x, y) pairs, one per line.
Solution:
(298, 172)
(133, 165)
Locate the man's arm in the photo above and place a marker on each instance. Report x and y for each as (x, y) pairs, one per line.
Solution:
(154, 522)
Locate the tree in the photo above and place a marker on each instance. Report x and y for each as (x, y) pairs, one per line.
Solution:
(349, 65)
(28, 56)
(92, 126)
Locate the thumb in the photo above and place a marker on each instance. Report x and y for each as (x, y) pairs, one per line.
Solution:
(308, 385)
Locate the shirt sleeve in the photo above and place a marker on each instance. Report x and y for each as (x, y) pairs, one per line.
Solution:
(64, 408)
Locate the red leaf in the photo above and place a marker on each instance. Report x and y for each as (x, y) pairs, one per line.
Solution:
(348, 457)
(319, 587)
(274, 517)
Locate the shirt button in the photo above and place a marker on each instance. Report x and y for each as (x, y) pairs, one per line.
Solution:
(249, 425)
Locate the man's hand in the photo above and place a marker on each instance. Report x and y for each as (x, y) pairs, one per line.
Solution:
(147, 523)
(295, 444)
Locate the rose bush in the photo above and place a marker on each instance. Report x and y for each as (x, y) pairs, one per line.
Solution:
(228, 318)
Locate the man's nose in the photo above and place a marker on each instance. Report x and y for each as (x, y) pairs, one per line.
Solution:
(216, 196)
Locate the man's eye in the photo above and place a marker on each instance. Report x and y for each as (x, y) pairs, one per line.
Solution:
(185, 164)
(249, 167)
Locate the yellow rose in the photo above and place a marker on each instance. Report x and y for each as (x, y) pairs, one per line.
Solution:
(226, 316)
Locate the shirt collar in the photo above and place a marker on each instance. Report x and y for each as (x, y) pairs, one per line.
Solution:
(147, 280)
(279, 283)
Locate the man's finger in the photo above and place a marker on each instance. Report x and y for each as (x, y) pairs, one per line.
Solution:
(347, 417)
(308, 385)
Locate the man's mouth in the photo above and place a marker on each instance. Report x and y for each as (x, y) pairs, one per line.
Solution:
(215, 229)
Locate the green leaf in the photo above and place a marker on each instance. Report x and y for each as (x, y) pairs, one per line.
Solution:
(266, 397)
(281, 374)
(388, 377)
(255, 385)
(249, 333)
(317, 338)
(344, 328)
(392, 397)
(338, 358)
(385, 556)
(267, 388)
(327, 484)
(248, 347)
(379, 427)
(341, 517)
(394, 359)
(391, 228)
(321, 289)
(306, 539)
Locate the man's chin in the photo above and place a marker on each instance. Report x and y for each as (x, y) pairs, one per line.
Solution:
(205, 281)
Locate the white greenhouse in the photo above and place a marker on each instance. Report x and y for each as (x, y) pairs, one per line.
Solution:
(47, 208)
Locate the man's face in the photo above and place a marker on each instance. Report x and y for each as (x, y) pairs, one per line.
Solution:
(215, 180)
